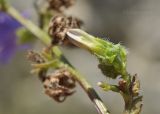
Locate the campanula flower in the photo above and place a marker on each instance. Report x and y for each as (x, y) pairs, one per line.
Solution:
(8, 45)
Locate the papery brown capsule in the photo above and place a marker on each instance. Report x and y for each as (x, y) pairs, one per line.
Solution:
(135, 85)
(59, 85)
(35, 57)
(59, 26)
(58, 5)
(122, 85)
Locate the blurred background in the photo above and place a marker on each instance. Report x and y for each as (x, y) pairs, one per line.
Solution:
(134, 23)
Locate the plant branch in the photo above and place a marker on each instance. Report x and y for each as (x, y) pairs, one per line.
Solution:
(46, 40)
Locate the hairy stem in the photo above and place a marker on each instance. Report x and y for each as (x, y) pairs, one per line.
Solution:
(45, 39)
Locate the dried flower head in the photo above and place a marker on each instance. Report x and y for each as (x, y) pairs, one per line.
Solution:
(135, 85)
(60, 25)
(59, 85)
(58, 5)
(122, 85)
(35, 57)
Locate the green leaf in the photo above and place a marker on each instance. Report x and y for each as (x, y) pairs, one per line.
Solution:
(25, 36)
(107, 87)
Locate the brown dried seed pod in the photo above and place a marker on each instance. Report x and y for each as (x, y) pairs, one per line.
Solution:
(58, 5)
(135, 85)
(122, 85)
(35, 57)
(59, 26)
(59, 85)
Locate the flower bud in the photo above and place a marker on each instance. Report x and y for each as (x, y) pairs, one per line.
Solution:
(112, 57)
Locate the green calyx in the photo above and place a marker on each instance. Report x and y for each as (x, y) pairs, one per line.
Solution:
(112, 57)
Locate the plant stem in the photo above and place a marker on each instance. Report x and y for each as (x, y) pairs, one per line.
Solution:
(45, 39)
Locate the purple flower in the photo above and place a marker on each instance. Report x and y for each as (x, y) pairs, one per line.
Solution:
(8, 45)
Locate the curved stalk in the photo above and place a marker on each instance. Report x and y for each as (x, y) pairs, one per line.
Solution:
(45, 39)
